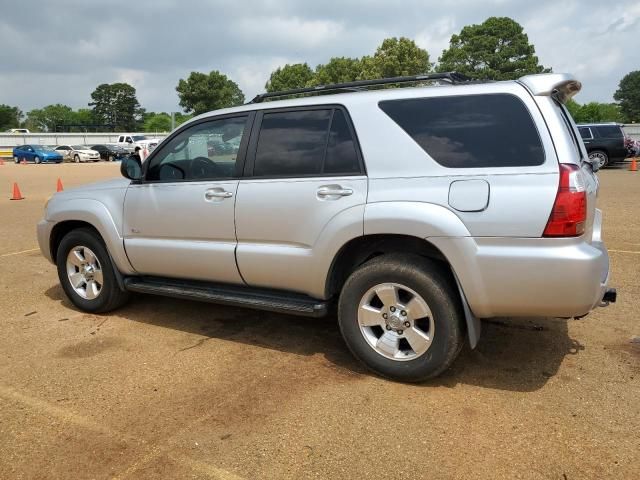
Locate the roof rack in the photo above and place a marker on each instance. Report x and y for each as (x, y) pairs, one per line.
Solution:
(450, 77)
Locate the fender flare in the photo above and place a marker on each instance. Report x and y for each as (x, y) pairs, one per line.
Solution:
(96, 214)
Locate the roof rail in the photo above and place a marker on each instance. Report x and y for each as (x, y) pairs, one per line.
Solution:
(451, 77)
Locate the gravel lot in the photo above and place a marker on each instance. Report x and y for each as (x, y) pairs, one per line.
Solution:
(177, 389)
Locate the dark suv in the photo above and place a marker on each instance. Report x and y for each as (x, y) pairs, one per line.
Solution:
(604, 142)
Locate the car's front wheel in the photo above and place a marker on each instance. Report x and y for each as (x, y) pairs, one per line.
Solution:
(76, 158)
(86, 273)
(16, 159)
(401, 316)
(600, 157)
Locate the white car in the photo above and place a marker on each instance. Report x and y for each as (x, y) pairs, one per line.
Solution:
(78, 153)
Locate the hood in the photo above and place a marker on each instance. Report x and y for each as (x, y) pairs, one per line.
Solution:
(87, 151)
(89, 190)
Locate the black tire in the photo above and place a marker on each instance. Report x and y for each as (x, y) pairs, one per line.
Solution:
(36, 160)
(601, 157)
(434, 284)
(110, 158)
(110, 296)
(76, 158)
(16, 160)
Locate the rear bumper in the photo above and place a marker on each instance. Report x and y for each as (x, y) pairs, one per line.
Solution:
(529, 276)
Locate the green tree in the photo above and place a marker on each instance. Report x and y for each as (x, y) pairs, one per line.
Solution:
(628, 94)
(395, 57)
(594, 112)
(116, 104)
(9, 117)
(296, 75)
(337, 70)
(180, 118)
(84, 116)
(48, 118)
(157, 122)
(203, 92)
(497, 49)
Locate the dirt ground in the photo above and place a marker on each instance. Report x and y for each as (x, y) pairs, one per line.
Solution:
(176, 389)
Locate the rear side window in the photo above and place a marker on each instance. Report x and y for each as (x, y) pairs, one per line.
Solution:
(610, 131)
(585, 133)
(305, 142)
(341, 150)
(472, 131)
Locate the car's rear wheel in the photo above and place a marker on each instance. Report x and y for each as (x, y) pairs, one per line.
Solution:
(16, 159)
(86, 272)
(37, 159)
(600, 157)
(401, 316)
(110, 158)
(76, 158)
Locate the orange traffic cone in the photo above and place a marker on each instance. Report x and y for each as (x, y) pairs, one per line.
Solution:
(1, 161)
(59, 186)
(16, 192)
(633, 167)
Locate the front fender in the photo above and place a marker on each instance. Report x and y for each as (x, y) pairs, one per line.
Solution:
(97, 215)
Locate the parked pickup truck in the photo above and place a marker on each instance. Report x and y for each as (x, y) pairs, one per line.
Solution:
(414, 211)
(130, 142)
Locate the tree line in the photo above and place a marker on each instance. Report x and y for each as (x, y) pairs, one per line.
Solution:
(497, 49)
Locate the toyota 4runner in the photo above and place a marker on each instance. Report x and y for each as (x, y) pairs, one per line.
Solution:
(417, 211)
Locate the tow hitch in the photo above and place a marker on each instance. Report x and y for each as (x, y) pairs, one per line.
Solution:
(609, 297)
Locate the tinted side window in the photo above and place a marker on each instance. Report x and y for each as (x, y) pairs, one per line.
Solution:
(470, 131)
(292, 143)
(610, 132)
(341, 149)
(585, 133)
(203, 151)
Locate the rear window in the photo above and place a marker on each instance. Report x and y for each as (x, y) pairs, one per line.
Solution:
(612, 131)
(471, 131)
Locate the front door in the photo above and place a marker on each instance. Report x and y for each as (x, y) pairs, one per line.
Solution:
(179, 221)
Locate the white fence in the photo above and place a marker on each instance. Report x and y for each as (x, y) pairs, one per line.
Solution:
(10, 140)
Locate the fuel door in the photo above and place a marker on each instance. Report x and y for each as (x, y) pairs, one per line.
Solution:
(469, 195)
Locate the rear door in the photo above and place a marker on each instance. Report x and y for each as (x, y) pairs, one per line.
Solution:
(305, 179)
(179, 222)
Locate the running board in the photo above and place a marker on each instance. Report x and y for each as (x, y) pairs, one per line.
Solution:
(260, 299)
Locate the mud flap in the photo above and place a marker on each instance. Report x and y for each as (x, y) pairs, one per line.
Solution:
(474, 325)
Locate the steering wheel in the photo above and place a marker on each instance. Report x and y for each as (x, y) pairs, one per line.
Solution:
(203, 167)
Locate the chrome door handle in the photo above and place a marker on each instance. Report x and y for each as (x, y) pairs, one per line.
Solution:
(334, 192)
(217, 193)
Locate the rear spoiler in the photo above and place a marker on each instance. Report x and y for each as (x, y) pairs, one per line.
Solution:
(561, 86)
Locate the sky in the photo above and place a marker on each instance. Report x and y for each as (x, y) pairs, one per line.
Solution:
(59, 51)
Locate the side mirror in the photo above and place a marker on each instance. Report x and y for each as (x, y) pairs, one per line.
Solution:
(130, 168)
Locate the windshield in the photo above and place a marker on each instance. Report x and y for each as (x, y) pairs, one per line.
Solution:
(48, 148)
(80, 147)
(137, 138)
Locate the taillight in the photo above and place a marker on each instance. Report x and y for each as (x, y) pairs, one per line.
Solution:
(569, 211)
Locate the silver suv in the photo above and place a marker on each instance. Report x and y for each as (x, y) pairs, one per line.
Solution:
(417, 211)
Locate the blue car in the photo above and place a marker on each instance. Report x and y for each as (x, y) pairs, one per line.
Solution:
(36, 154)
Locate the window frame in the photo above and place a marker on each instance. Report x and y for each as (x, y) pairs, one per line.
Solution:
(545, 158)
(257, 127)
(240, 157)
